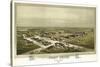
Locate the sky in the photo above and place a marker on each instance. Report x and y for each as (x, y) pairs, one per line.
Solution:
(30, 15)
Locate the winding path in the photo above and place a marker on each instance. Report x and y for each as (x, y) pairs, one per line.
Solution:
(44, 47)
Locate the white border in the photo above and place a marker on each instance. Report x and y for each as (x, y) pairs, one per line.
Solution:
(53, 3)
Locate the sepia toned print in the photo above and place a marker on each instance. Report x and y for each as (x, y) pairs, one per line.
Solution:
(46, 29)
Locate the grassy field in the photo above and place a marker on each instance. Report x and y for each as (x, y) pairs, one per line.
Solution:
(85, 41)
(23, 45)
(60, 50)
